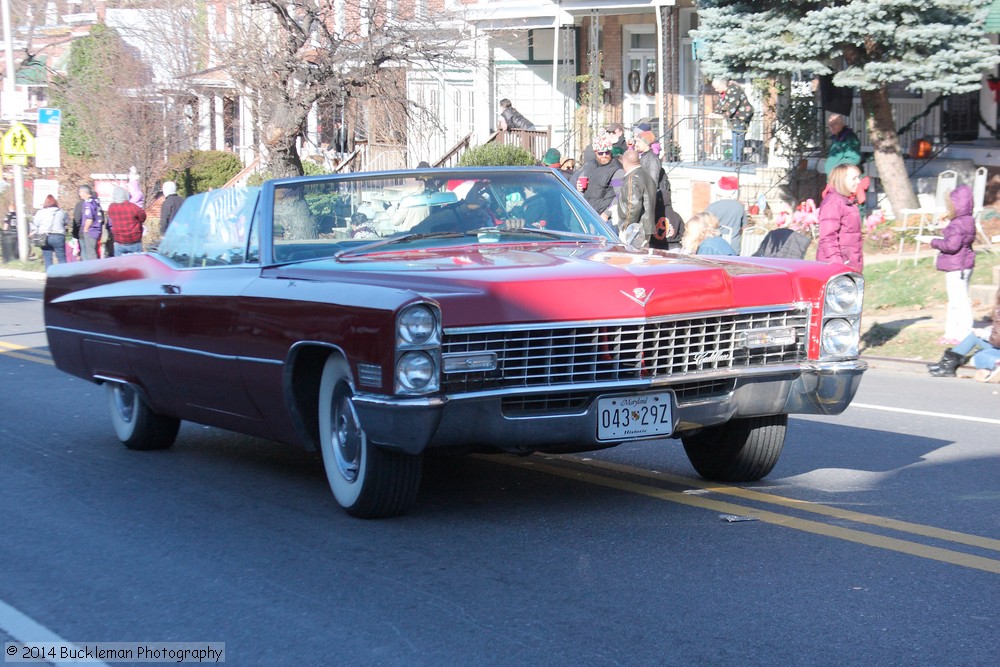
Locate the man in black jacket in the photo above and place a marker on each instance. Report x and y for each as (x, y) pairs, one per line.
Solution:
(598, 176)
(636, 200)
(511, 118)
(171, 203)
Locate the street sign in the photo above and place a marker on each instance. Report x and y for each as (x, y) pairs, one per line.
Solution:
(42, 187)
(49, 123)
(18, 140)
(50, 116)
(47, 138)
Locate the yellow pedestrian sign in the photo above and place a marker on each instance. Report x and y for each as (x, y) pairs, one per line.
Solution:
(18, 141)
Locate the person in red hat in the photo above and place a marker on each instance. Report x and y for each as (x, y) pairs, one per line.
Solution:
(729, 210)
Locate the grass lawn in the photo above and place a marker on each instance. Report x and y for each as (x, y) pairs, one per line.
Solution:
(898, 299)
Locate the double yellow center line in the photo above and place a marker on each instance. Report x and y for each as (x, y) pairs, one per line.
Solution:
(699, 493)
(25, 353)
(622, 478)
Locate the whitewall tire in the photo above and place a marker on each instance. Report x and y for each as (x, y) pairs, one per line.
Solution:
(369, 482)
(135, 424)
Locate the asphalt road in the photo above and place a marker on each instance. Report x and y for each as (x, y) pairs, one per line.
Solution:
(875, 540)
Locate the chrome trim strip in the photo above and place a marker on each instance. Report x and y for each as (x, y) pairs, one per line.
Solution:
(146, 343)
(401, 402)
(569, 324)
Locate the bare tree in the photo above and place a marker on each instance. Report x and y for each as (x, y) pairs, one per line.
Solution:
(289, 55)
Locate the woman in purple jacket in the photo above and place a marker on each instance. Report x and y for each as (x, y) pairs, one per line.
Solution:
(957, 259)
(840, 220)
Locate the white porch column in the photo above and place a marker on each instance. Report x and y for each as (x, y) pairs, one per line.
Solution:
(483, 109)
(204, 123)
(220, 123)
(248, 151)
(312, 130)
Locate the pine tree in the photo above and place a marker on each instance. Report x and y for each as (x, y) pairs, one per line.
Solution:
(936, 46)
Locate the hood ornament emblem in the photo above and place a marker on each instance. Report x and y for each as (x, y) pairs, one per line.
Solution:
(639, 295)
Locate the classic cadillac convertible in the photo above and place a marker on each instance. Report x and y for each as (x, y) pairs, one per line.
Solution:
(376, 316)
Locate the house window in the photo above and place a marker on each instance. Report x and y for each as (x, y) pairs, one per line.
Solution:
(960, 117)
(639, 75)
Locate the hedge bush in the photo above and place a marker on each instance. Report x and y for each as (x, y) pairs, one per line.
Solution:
(309, 168)
(496, 155)
(200, 171)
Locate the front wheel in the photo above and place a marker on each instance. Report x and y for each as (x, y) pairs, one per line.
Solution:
(368, 482)
(741, 450)
(135, 423)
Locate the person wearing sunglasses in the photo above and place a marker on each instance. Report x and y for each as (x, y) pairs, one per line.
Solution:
(596, 179)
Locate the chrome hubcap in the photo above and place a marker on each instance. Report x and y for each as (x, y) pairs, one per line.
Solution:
(347, 438)
(125, 402)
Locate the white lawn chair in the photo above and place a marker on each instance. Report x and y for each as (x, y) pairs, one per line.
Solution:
(751, 239)
(978, 197)
(927, 215)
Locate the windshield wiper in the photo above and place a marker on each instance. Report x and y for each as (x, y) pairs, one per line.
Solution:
(398, 239)
(559, 236)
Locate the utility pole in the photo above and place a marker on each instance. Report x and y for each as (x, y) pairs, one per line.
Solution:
(8, 95)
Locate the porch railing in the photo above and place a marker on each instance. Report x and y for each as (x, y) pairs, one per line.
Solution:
(240, 179)
(535, 142)
(450, 159)
(352, 162)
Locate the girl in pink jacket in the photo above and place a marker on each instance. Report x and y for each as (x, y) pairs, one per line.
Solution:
(840, 237)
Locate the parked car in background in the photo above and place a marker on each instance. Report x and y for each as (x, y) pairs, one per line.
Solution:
(376, 316)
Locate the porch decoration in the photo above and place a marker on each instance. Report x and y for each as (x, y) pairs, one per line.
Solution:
(649, 83)
(633, 81)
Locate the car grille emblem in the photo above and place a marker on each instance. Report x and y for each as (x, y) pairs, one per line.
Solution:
(639, 295)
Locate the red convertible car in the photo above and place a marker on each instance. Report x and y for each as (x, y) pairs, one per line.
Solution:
(377, 316)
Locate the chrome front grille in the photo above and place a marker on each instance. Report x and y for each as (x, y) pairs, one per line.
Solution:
(592, 353)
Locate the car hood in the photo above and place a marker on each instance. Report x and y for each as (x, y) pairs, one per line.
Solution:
(524, 284)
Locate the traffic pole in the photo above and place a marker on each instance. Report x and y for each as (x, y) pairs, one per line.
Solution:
(23, 248)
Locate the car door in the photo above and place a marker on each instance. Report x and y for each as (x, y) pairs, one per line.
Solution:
(199, 307)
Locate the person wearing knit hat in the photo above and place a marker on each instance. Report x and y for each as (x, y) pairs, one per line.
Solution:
(171, 203)
(729, 210)
(125, 220)
(598, 175)
(552, 158)
(616, 134)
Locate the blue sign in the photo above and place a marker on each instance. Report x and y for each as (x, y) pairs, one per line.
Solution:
(696, 46)
(49, 116)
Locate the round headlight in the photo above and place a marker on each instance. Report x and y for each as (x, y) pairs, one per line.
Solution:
(839, 338)
(416, 325)
(415, 372)
(843, 296)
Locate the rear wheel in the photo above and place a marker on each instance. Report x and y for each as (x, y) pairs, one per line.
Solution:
(741, 450)
(368, 482)
(135, 424)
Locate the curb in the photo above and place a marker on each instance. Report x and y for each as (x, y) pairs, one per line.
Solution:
(913, 366)
(27, 275)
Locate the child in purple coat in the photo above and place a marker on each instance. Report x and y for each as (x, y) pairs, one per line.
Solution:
(957, 259)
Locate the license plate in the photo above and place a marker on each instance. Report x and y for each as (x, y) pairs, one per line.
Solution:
(635, 416)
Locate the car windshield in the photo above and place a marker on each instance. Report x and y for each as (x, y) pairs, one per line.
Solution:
(212, 229)
(425, 209)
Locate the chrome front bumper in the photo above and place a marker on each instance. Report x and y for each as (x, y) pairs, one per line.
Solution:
(477, 422)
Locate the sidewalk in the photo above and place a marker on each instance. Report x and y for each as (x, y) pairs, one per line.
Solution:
(27, 275)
